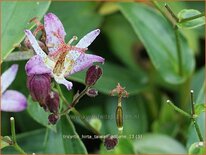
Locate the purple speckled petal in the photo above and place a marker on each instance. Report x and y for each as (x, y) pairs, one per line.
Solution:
(85, 61)
(13, 101)
(8, 77)
(88, 39)
(55, 33)
(35, 44)
(35, 65)
(64, 82)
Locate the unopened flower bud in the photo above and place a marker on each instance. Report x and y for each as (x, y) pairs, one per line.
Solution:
(110, 142)
(53, 118)
(93, 74)
(92, 92)
(52, 102)
(39, 86)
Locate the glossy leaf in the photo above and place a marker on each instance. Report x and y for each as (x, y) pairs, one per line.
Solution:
(159, 41)
(158, 144)
(124, 146)
(61, 142)
(187, 13)
(38, 114)
(197, 148)
(113, 74)
(15, 17)
(29, 141)
(122, 39)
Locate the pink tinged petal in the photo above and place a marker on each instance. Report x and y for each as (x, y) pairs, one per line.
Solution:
(35, 65)
(88, 39)
(85, 61)
(13, 101)
(62, 80)
(8, 77)
(55, 33)
(73, 55)
(35, 44)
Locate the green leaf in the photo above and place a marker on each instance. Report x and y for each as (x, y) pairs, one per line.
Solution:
(113, 74)
(188, 13)
(123, 33)
(159, 41)
(197, 148)
(15, 18)
(4, 141)
(108, 8)
(158, 144)
(38, 114)
(124, 146)
(199, 108)
(31, 142)
(61, 142)
(77, 18)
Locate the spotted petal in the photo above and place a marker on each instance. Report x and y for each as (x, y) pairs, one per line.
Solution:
(55, 32)
(85, 61)
(88, 39)
(35, 44)
(13, 101)
(8, 77)
(62, 80)
(35, 65)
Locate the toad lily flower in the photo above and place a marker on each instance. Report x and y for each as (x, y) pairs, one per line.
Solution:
(63, 58)
(11, 100)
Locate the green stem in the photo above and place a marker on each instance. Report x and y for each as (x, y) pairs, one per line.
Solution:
(13, 133)
(178, 109)
(191, 18)
(171, 13)
(155, 3)
(61, 94)
(75, 101)
(197, 129)
(77, 113)
(179, 52)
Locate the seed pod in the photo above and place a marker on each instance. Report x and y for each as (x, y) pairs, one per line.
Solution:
(119, 118)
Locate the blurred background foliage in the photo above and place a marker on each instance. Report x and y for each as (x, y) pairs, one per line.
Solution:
(139, 47)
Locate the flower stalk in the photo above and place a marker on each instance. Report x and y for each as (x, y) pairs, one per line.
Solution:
(13, 133)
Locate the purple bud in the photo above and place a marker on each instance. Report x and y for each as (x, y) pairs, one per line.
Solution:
(53, 118)
(93, 74)
(52, 102)
(110, 142)
(92, 92)
(39, 86)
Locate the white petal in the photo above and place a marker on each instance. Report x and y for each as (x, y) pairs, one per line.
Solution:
(88, 39)
(13, 101)
(8, 77)
(62, 80)
(35, 44)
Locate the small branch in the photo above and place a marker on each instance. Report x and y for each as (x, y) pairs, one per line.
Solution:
(197, 128)
(178, 109)
(13, 133)
(171, 12)
(191, 18)
(87, 124)
(179, 52)
(75, 101)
